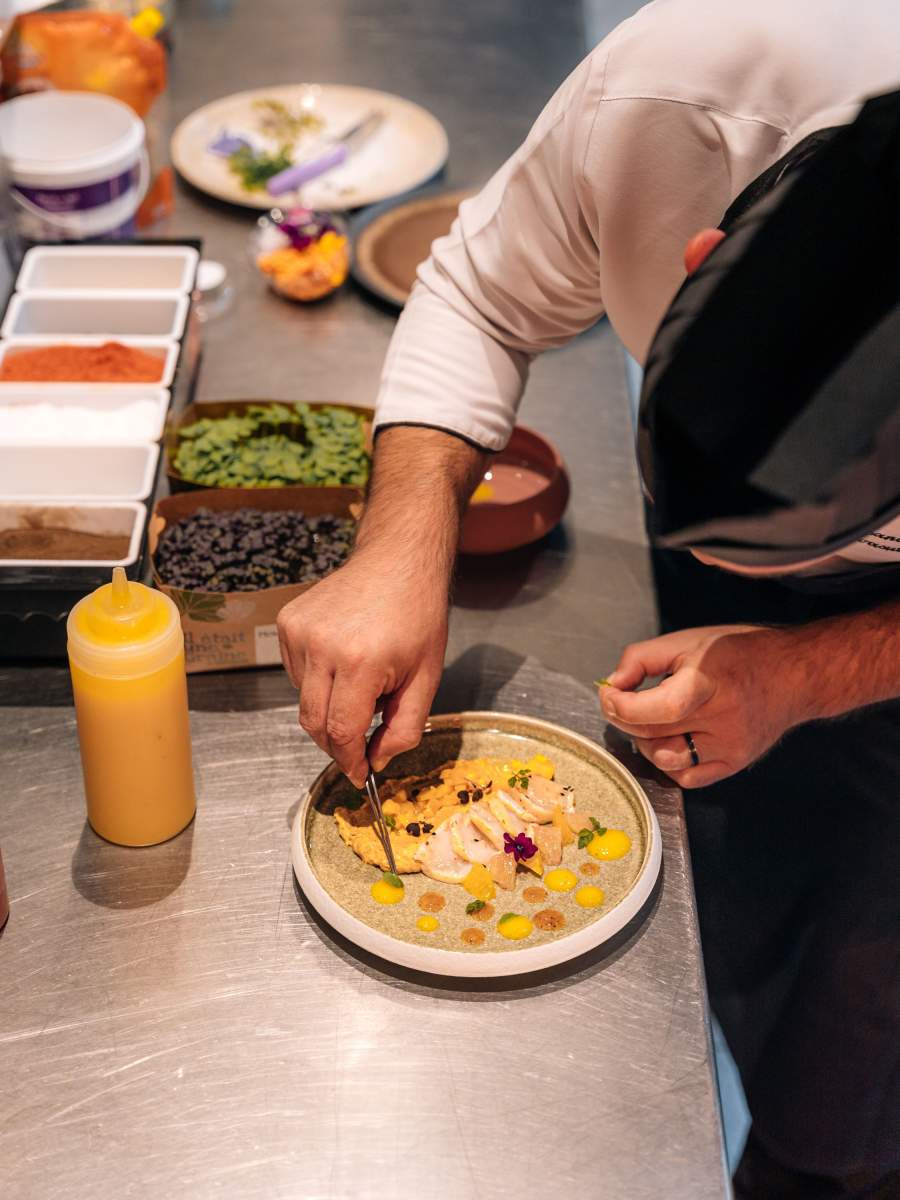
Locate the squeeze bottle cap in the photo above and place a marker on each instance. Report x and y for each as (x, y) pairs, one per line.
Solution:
(124, 629)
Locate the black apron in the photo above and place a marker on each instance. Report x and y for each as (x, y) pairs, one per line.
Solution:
(797, 871)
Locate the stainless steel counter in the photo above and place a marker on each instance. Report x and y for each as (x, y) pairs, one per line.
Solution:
(174, 1022)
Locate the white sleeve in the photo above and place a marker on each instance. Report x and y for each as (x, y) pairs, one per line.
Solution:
(517, 274)
(591, 215)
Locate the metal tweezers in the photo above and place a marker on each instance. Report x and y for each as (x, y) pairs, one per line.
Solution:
(381, 828)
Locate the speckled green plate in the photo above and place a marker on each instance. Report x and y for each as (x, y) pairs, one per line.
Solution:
(338, 884)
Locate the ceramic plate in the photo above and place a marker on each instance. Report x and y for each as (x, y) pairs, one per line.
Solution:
(337, 883)
(407, 149)
(391, 240)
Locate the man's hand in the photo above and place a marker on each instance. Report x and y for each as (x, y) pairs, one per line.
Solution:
(358, 636)
(374, 633)
(738, 688)
(731, 687)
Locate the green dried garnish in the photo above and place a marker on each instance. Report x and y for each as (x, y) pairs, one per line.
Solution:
(390, 878)
(278, 122)
(585, 837)
(275, 445)
(597, 827)
(602, 682)
(520, 779)
(390, 820)
(474, 906)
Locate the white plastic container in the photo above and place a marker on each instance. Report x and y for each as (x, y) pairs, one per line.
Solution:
(98, 268)
(125, 518)
(109, 314)
(78, 164)
(163, 348)
(80, 415)
(76, 473)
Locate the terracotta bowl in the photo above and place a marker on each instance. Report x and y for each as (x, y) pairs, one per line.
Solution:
(532, 490)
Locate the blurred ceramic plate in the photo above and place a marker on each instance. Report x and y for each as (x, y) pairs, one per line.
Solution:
(392, 239)
(337, 883)
(408, 148)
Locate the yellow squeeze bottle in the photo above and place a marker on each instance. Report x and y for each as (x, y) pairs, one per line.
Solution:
(126, 655)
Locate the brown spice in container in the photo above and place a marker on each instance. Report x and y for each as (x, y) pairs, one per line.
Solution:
(431, 902)
(534, 895)
(110, 363)
(549, 918)
(63, 544)
(589, 869)
(472, 937)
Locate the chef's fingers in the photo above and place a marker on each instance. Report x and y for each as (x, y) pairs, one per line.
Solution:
(403, 719)
(351, 708)
(673, 753)
(702, 776)
(644, 660)
(669, 703)
(315, 696)
(700, 247)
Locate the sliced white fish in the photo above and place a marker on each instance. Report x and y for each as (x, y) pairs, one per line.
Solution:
(488, 825)
(514, 802)
(510, 822)
(438, 858)
(468, 841)
(543, 795)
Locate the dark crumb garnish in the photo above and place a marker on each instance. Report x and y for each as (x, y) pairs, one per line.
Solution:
(426, 828)
(413, 829)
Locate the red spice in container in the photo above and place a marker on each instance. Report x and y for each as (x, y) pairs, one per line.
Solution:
(110, 363)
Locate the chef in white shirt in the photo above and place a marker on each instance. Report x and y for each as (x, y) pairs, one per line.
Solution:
(674, 116)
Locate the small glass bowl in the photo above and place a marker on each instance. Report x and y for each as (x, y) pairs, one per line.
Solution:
(304, 255)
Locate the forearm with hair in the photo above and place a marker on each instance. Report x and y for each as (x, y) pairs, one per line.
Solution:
(421, 481)
(847, 662)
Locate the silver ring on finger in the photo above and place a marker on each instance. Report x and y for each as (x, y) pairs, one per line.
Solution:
(695, 757)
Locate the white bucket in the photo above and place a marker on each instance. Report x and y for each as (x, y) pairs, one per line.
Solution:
(77, 164)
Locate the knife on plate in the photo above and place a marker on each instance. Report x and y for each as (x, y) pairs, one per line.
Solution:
(334, 154)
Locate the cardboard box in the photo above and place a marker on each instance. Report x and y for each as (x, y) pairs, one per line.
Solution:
(226, 630)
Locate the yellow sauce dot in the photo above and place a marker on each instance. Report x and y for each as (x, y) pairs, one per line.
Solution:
(612, 844)
(560, 880)
(428, 924)
(385, 893)
(515, 928)
(589, 897)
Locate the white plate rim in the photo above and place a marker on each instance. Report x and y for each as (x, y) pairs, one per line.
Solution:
(184, 163)
(490, 964)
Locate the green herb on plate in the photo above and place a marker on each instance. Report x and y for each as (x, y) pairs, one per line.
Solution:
(255, 168)
(474, 906)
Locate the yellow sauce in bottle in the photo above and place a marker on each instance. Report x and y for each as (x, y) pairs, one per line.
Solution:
(126, 656)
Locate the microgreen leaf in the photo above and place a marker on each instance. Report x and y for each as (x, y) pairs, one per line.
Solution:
(585, 837)
(602, 682)
(394, 880)
(475, 906)
(507, 917)
(597, 827)
(390, 820)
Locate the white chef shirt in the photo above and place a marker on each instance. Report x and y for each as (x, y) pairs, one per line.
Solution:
(647, 142)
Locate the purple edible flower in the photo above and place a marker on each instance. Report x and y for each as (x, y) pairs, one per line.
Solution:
(303, 226)
(520, 846)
